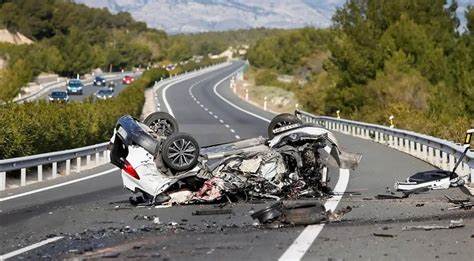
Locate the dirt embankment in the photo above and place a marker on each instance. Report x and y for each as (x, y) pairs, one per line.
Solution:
(277, 99)
(13, 38)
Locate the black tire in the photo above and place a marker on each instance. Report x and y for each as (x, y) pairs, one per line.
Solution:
(180, 152)
(279, 121)
(162, 123)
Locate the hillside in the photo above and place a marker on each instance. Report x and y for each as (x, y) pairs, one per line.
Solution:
(69, 39)
(407, 60)
(176, 16)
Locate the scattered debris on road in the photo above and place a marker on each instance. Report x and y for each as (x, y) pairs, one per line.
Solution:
(298, 213)
(452, 224)
(464, 203)
(403, 195)
(437, 179)
(383, 235)
(204, 212)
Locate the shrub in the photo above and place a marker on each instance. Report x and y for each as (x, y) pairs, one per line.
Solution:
(40, 127)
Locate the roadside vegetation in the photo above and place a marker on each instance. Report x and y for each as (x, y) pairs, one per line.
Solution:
(70, 39)
(184, 46)
(39, 127)
(405, 58)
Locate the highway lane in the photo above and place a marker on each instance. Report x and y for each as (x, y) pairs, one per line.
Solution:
(89, 90)
(87, 205)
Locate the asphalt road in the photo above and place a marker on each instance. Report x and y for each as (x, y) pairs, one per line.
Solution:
(95, 220)
(88, 90)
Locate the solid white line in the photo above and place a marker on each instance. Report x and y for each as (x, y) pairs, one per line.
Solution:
(59, 185)
(28, 248)
(187, 77)
(304, 241)
(232, 104)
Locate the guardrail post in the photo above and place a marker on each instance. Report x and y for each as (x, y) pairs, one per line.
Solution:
(418, 152)
(438, 161)
(390, 141)
(3, 180)
(430, 155)
(97, 158)
(88, 160)
(104, 156)
(68, 167)
(23, 177)
(452, 161)
(78, 164)
(40, 172)
(54, 170)
(411, 147)
(444, 161)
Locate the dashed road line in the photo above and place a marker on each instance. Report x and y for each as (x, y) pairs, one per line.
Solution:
(304, 241)
(215, 116)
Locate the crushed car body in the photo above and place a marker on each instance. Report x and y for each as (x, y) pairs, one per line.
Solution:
(167, 166)
(437, 178)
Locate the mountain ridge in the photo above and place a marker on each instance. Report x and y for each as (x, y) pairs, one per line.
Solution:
(192, 16)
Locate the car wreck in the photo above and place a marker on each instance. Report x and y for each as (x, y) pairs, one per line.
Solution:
(437, 178)
(169, 167)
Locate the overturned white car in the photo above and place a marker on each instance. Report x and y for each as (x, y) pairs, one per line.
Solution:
(167, 166)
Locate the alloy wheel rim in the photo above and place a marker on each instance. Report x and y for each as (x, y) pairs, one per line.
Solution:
(181, 152)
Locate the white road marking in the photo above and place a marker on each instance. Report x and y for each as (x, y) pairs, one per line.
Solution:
(237, 137)
(227, 125)
(304, 241)
(216, 117)
(232, 130)
(59, 185)
(206, 109)
(221, 121)
(28, 248)
(232, 104)
(173, 82)
(210, 112)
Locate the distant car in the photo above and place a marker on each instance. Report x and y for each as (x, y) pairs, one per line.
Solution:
(111, 85)
(127, 79)
(99, 81)
(74, 86)
(104, 94)
(59, 96)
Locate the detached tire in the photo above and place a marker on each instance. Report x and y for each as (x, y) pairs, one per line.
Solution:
(162, 123)
(180, 152)
(281, 120)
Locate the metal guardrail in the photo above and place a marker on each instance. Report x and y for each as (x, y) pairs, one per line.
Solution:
(438, 152)
(91, 153)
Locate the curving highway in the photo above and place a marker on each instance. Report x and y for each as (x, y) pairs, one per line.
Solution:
(87, 215)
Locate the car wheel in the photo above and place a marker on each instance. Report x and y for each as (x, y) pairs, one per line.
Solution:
(281, 120)
(180, 152)
(162, 123)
